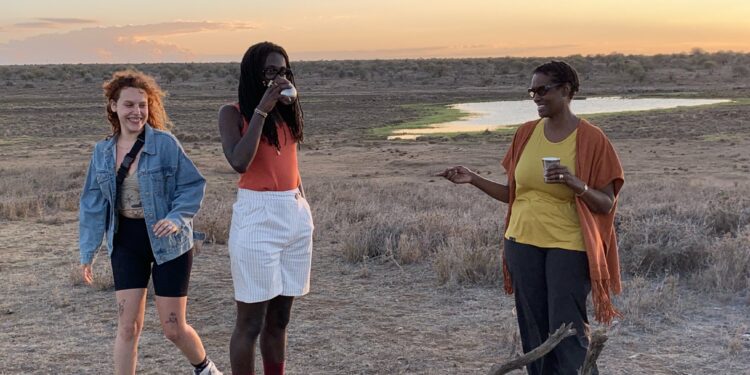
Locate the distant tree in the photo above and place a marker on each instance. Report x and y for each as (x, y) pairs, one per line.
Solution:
(635, 70)
(740, 71)
(710, 65)
(168, 75)
(185, 74)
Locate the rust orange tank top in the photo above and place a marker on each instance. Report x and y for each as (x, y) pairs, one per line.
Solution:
(272, 169)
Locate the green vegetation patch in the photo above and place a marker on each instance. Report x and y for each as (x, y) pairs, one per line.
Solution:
(426, 115)
(721, 137)
(10, 141)
(503, 132)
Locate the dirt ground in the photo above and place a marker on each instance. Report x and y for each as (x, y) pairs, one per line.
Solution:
(360, 318)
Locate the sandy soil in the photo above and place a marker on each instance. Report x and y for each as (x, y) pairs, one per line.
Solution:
(366, 318)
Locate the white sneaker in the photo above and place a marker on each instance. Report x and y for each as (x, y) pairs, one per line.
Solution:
(210, 369)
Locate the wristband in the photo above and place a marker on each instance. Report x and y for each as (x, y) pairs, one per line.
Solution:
(261, 113)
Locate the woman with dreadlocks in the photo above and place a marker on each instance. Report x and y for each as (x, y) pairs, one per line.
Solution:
(270, 240)
(559, 242)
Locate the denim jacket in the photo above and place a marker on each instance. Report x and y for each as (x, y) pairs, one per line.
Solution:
(170, 187)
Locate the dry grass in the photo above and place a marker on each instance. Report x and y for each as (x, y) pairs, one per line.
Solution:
(738, 339)
(646, 303)
(697, 232)
(666, 230)
(40, 191)
(103, 279)
(728, 264)
(457, 262)
(669, 233)
(215, 217)
(413, 222)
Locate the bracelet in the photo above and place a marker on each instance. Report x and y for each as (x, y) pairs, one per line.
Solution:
(585, 189)
(261, 113)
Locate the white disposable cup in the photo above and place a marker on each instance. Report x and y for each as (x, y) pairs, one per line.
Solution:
(290, 93)
(547, 163)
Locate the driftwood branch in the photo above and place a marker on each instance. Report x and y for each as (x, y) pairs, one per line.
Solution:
(563, 332)
(596, 344)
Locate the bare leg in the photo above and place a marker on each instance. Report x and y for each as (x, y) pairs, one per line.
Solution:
(250, 317)
(175, 327)
(273, 338)
(131, 305)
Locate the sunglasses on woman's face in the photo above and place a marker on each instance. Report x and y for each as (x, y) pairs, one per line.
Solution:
(542, 90)
(271, 73)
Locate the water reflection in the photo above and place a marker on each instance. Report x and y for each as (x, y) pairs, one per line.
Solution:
(494, 115)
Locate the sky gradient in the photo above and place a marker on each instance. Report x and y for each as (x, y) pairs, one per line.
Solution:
(77, 31)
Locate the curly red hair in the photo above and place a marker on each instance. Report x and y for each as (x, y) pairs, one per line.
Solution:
(157, 116)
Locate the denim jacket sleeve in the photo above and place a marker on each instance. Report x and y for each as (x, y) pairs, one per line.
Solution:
(92, 216)
(189, 190)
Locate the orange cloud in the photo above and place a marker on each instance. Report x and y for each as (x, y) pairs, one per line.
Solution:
(52, 23)
(130, 43)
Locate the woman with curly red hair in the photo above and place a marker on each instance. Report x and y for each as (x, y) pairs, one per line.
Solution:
(142, 192)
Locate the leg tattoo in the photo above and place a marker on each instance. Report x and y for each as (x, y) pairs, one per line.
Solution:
(172, 318)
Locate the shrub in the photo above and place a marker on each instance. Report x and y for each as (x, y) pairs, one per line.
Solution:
(33, 193)
(740, 71)
(727, 264)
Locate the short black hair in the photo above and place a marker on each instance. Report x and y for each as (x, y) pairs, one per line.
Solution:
(251, 90)
(560, 72)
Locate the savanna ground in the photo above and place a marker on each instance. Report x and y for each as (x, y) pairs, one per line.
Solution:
(406, 266)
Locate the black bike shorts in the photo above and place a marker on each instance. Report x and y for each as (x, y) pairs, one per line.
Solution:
(133, 262)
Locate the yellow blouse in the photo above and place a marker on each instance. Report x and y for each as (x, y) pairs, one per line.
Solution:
(544, 214)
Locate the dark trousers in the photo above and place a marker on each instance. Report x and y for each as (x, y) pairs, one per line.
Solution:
(550, 288)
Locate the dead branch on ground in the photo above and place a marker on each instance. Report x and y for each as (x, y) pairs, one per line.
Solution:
(563, 332)
(596, 344)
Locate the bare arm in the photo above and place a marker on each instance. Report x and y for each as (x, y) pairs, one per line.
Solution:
(493, 189)
(240, 149)
(463, 175)
(600, 201)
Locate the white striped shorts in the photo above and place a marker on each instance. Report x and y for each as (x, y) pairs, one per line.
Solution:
(270, 245)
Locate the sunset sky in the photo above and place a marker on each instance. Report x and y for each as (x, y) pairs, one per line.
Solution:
(77, 31)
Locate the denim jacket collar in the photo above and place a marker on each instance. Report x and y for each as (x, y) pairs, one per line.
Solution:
(149, 147)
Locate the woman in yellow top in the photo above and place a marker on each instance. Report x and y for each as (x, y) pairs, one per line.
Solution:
(559, 239)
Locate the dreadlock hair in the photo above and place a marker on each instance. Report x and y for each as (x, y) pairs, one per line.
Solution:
(157, 116)
(560, 72)
(251, 90)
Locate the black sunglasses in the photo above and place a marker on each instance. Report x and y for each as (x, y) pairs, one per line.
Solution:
(271, 73)
(542, 90)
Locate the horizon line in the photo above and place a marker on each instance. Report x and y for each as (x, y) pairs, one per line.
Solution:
(692, 51)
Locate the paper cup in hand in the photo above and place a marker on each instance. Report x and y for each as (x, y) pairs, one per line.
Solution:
(290, 93)
(547, 163)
